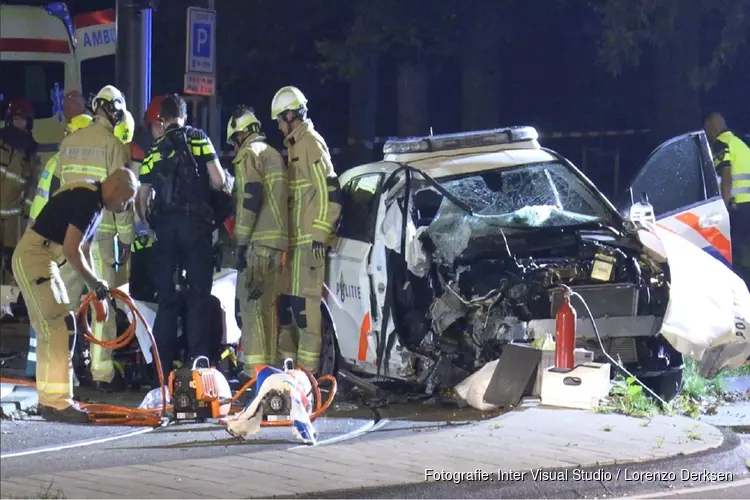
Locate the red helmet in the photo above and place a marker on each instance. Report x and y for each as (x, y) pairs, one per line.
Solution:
(152, 112)
(20, 107)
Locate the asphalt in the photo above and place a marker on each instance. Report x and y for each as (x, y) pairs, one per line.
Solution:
(662, 476)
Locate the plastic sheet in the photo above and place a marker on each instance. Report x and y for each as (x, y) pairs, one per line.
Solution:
(153, 399)
(709, 307)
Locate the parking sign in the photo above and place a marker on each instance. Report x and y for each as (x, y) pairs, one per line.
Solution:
(201, 37)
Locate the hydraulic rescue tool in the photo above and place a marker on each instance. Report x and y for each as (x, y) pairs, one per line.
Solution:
(206, 399)
(199, 393)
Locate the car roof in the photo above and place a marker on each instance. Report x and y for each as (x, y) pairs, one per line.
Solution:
(450, 163)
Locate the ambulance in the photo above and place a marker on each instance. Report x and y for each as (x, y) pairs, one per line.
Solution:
(45, 52)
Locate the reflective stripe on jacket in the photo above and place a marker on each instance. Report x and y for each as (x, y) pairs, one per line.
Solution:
(731, 152)
(314, 194)
(49, 182)
(92, 153)
(261, 195)
(16, 174)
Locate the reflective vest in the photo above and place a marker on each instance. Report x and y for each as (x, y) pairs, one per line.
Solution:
(44, 187)
(738, 155)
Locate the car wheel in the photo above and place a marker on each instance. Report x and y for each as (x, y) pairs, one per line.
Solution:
(329, 355)
(668, 385)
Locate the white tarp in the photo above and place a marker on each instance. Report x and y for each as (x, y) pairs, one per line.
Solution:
(223, 289)
(709, 307)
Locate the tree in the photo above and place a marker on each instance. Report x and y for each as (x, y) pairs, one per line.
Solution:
(674, 30)
(405, 32)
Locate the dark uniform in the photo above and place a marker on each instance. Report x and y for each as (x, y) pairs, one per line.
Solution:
(37, 265)
(182, 219)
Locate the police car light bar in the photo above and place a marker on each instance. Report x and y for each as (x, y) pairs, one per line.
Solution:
(447, 142)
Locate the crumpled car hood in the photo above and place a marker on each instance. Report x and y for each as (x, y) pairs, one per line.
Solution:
(709, 306)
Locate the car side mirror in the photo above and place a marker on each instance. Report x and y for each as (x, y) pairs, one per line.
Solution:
(642, 213)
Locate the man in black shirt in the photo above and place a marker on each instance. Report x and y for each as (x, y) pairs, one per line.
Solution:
(61, 235)
(180, 175)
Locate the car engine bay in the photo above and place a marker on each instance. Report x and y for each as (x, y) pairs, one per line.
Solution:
(481, 285)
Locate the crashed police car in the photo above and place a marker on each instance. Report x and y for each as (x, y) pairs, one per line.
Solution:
(455, 245)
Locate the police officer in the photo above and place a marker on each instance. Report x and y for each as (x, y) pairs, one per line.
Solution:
(261, 235)
(91, 154)
(181, 169)
(62, 232)
(732, 162)
(19, 165)
(314, 209)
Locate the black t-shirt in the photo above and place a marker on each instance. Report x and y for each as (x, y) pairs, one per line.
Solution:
(80, 206)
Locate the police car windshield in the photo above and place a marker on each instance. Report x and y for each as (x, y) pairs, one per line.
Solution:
(545, 194)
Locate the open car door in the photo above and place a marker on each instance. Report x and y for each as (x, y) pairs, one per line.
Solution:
(351, 289)
(680, 182)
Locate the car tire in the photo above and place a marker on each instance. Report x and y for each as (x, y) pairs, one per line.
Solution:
(668, 385)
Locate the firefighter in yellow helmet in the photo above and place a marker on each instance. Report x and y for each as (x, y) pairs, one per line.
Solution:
(91, 154)
(314, 209)
(261, 235)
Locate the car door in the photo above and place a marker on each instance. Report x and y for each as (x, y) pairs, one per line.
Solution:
(349, 285)
(680, 181)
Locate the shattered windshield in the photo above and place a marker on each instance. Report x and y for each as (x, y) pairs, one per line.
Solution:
(534, 195)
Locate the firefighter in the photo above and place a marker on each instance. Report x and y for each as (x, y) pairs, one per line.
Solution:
(261, 236)
(314, 209)
(125, 130)
(49, 181)
(91, 154)
(62, 232)
(732, 162)
(19, 165)
(180, 171)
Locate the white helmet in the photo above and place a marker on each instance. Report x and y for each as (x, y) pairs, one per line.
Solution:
(242, 120)
(111, 100)
(288, 99)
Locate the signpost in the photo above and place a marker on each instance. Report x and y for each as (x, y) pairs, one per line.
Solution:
(200, 64)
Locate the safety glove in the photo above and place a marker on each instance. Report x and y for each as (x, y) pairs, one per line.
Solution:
(239, 257)
(101, 289)
(261, 262)
(319, 250)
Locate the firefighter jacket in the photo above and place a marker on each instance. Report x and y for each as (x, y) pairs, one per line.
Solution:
(49, 182)
(92, 153)
(314, 194)
(261, 195)
(18, 165)
(731, 152)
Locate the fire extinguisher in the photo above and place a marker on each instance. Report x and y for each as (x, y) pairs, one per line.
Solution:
(565, 333)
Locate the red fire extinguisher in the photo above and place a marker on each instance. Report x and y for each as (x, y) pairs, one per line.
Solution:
(565, 334)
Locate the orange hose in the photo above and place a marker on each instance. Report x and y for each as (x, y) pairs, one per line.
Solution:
(124, 415)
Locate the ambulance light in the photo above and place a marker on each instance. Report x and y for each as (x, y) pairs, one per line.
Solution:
(60, 11)
(447, 142)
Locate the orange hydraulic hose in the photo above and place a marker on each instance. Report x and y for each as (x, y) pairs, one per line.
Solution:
(153, 417)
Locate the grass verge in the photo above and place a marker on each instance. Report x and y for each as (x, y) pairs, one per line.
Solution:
(699, 395)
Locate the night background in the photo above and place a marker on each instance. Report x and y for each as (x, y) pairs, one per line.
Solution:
(374, 69)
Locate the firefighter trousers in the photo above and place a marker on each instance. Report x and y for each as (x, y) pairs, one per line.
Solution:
(75, 286)
(103, 262)
(36, 269)
(299, 308)
(257, 317)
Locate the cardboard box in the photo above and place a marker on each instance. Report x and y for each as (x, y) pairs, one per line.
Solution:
(582, 356)
(582, 387)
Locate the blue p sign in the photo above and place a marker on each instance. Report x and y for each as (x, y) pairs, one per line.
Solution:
(202, 40)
